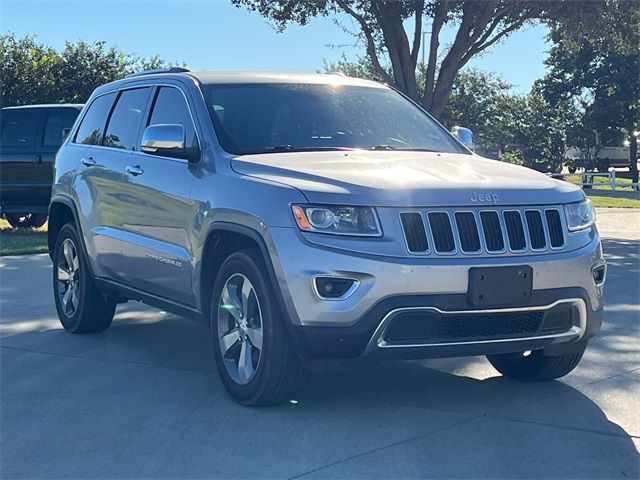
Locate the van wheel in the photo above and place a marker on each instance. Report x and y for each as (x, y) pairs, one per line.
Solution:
(534, 366)
(254, 356)
(27, 220)
(80, 305)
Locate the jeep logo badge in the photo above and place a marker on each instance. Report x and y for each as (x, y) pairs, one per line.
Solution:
(484, 197)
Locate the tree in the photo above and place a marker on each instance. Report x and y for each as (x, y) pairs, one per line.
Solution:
(596, 59)
(31, 72)
(483, 102)
(539, 137)
(381, 23)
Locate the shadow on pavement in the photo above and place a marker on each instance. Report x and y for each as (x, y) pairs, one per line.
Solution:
(142, 400)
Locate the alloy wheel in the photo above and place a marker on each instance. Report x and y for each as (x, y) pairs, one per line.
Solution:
(240, 328)
(68, 277)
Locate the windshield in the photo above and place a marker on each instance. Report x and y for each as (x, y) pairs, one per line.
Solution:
(263, 118)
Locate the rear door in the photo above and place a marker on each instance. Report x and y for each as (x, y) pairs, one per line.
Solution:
(97, 184)
(158, 242)
(56, 123)
(18, 132)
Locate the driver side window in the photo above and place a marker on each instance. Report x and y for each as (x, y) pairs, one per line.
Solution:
(170, 107)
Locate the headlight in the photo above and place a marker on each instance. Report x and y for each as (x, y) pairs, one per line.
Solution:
(338, 220)
(579, 215)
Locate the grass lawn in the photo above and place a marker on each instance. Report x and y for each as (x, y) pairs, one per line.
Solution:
(618, 202)
(22, 241)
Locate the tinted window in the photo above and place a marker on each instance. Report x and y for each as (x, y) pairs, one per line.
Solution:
(58, 123)
(171, 107)
(18, 128)
(257, 118)
(126, 119)
(91, 129)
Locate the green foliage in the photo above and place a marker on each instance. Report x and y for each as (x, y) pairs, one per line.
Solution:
(483, 102)
(393, 50)
(31, 72)
(540, 131)
(595, 61)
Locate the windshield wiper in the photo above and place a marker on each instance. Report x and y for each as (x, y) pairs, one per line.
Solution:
(383, 147)
(403, 149)
(291, 148)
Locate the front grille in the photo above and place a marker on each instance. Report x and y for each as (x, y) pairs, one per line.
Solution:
(414, 232)
(468, 231)
(492, 231)
(477, 230)
(536, 229)
(515, 230)
(442, 232)
(435, 327)
(556, 236)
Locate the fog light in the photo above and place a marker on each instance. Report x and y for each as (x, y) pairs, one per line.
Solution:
(599, 274)
(334, 288)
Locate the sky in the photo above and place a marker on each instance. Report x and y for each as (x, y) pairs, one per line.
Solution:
(215, 35)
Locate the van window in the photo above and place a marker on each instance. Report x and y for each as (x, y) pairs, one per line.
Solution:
(18, 128)
(57, 122)
(126, 119)
(91, 129)
(170, 107)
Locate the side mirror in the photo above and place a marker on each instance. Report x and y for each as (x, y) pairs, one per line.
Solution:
(464, 136)
(167, 140)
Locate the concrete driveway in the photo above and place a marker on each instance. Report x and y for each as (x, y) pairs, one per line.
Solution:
(143, 400)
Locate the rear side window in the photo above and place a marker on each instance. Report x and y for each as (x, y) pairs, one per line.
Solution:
(18, 129)
(126, 119)
(57, 125)
(91, 129)
(170, 107)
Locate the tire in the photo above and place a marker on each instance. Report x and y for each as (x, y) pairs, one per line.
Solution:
(38, 220)
(26, 220)
(252, 328)
(535, 367)
(81, 306)
(603, 165)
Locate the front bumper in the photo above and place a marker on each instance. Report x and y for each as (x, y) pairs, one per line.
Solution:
(353, 327)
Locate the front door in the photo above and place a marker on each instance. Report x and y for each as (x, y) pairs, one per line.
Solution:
(157, 242)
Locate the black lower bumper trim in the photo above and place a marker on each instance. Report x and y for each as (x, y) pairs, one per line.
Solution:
(350, 342)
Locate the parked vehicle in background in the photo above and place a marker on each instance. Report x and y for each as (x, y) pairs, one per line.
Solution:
(598, 156)
(315, 221)
(30, 136)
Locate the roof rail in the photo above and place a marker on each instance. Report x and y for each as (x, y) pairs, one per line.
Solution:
(159, 70)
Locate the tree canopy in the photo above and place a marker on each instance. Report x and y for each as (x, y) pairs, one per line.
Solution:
(595, 62)
(384, 24)
(31, 72)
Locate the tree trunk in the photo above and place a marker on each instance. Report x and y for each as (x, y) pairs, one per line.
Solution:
(633, 156)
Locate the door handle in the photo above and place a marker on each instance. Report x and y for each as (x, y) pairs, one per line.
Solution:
(87, 161)
(38, 159)
(134, 170)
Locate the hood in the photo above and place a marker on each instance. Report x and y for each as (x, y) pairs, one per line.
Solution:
(405, 179)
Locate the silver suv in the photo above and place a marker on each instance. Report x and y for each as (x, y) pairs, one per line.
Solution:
(313, 222)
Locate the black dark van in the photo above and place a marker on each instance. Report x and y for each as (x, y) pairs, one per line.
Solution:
(30, 136)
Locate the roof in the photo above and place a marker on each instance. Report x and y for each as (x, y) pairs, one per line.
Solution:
(281, 77)
(77, 106)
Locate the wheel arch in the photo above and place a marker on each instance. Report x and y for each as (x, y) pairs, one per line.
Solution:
(61, 211)
(223, 239)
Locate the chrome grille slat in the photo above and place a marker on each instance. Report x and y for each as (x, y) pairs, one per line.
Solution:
(491, 231)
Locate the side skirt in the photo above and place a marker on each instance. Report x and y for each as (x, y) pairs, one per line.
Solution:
(118, 290)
